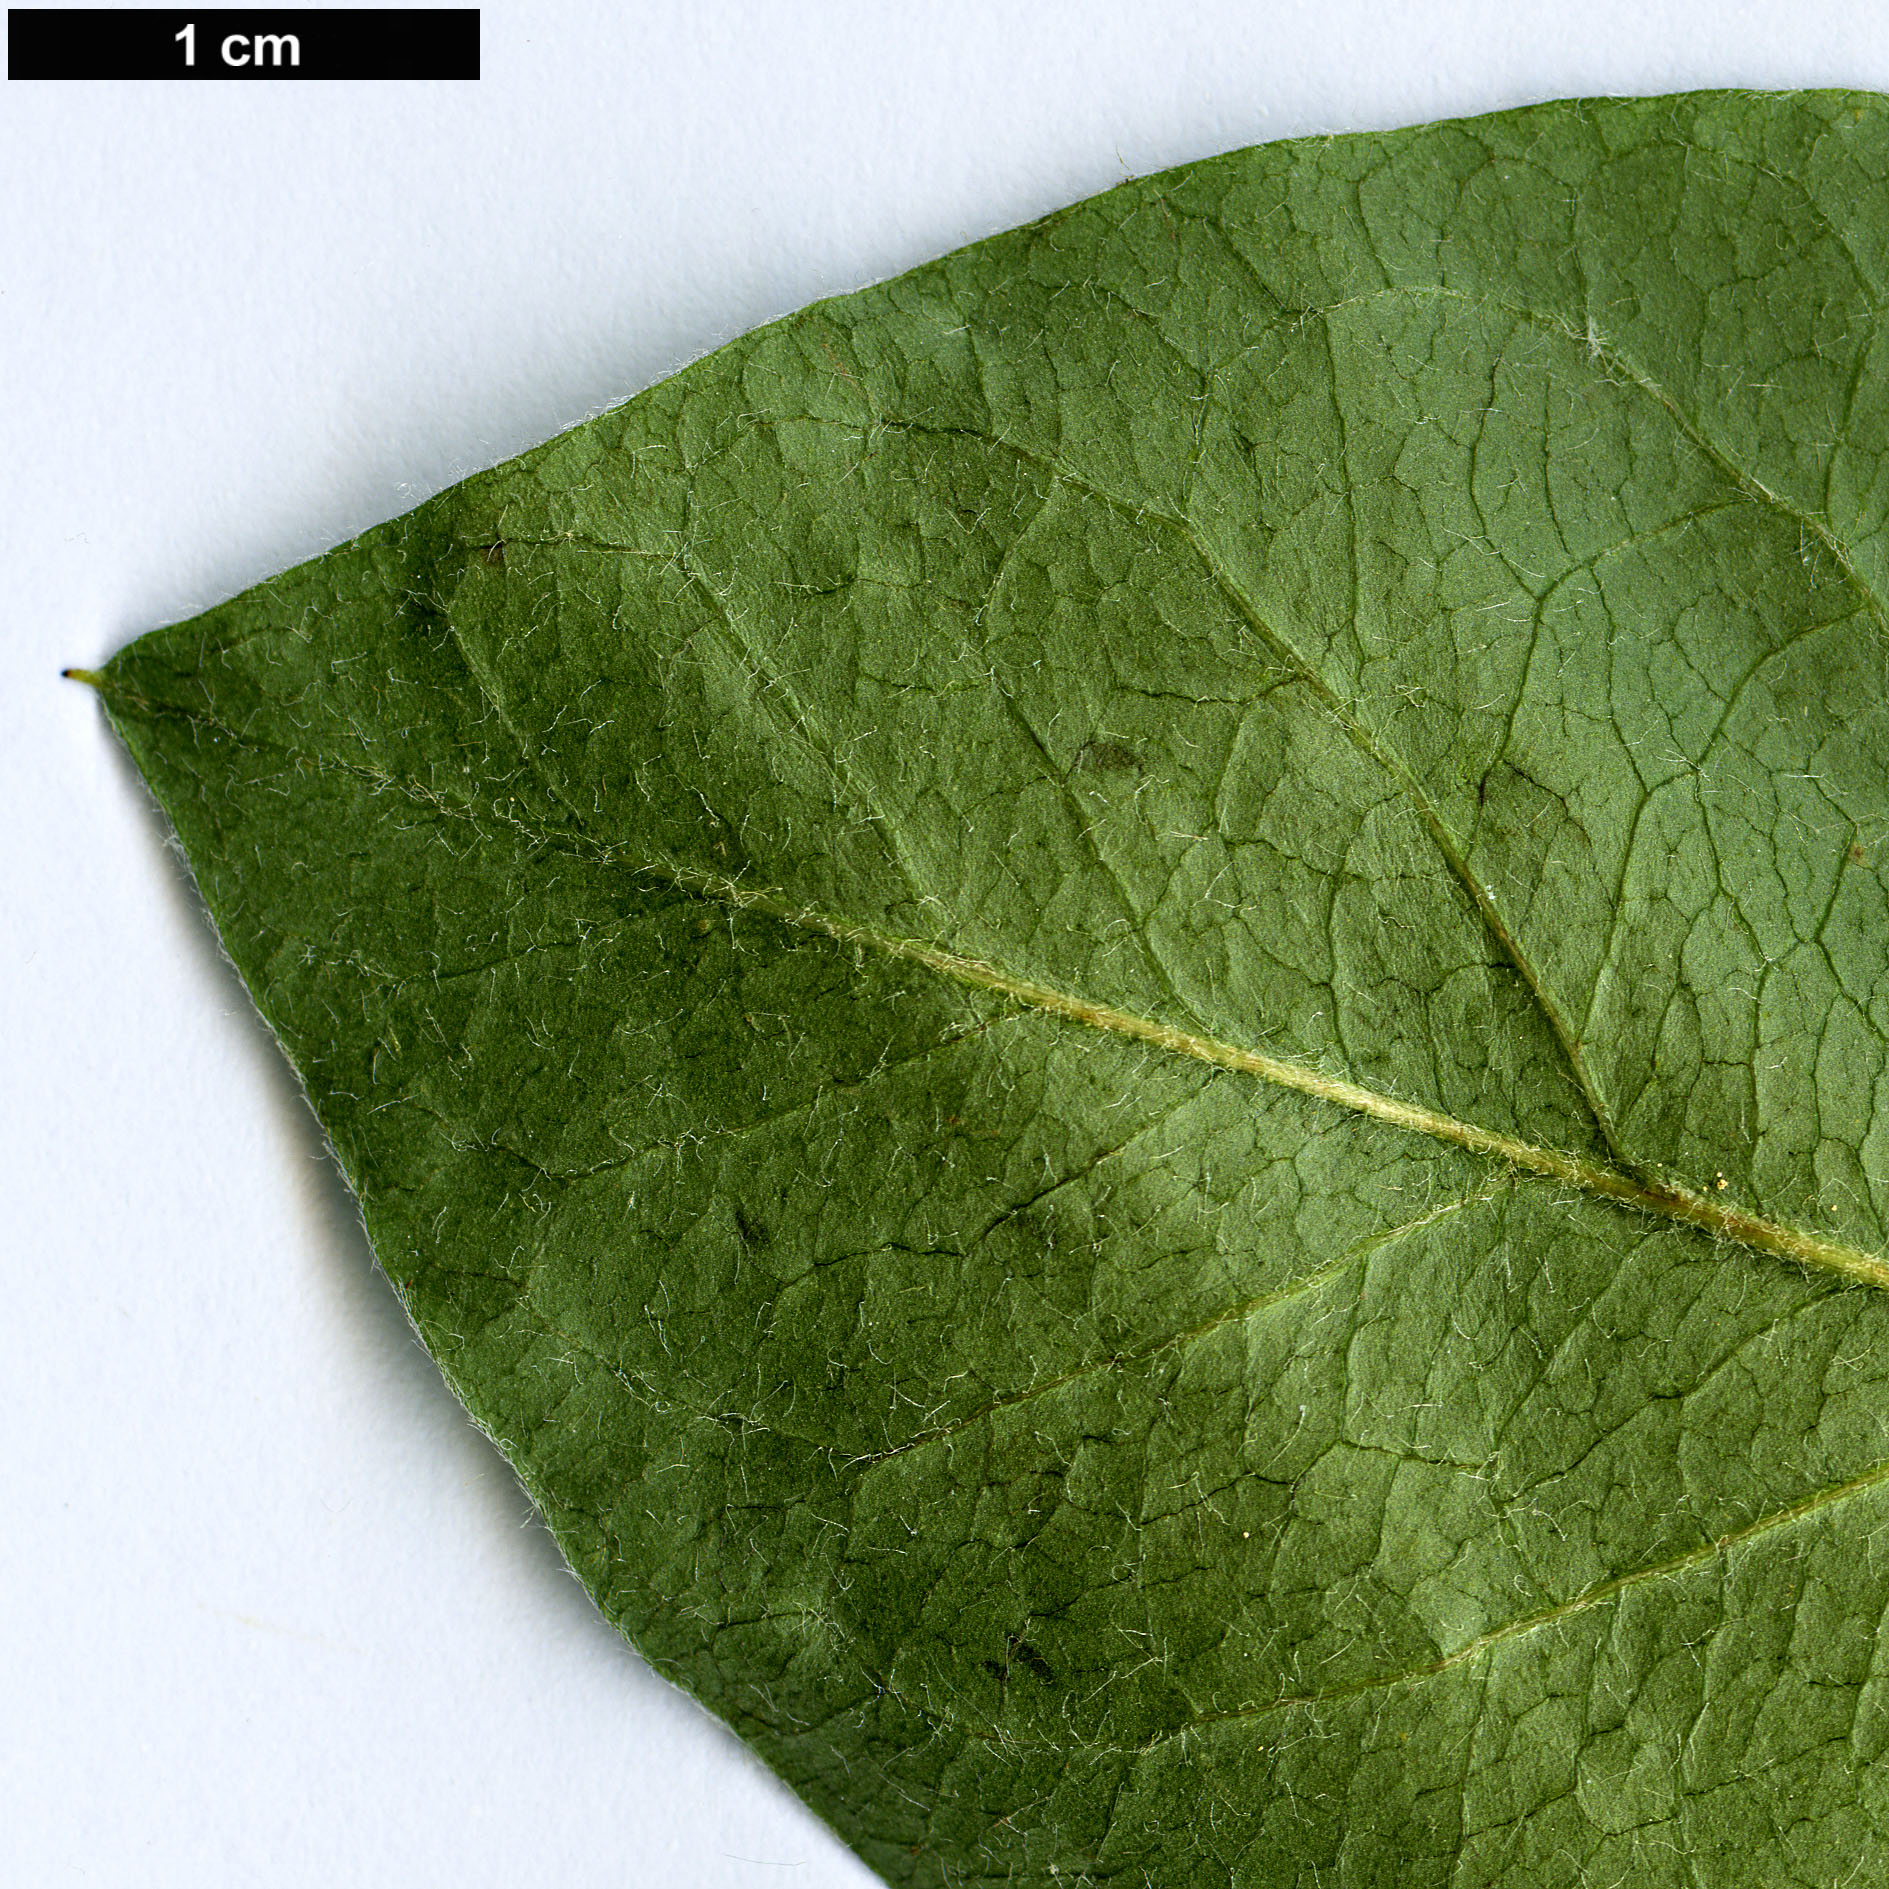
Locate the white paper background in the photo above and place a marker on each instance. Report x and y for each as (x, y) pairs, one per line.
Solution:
(270, 1610)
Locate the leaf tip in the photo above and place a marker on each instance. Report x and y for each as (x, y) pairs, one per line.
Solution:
(92, 678)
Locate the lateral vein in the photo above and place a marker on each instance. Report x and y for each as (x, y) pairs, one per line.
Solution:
(1358, 733)
(1298, 1289)
(1595, 1596)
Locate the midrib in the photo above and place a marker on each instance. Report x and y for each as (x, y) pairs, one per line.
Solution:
(1658, 1200)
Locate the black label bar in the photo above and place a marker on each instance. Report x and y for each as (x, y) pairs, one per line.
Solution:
(228, 43)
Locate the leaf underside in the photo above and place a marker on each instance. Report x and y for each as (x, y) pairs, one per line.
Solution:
(1127, 1007)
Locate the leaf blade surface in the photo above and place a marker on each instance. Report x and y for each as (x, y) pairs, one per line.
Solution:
(1102, 1000)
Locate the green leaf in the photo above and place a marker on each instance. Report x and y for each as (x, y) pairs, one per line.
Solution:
(1127, 1008)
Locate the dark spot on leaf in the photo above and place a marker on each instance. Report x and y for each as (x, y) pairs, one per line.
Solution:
(1019, 1652)
(1106, 757)
(1857, 856)
(1022, 1653)
(494, 554)
(754, 1236)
